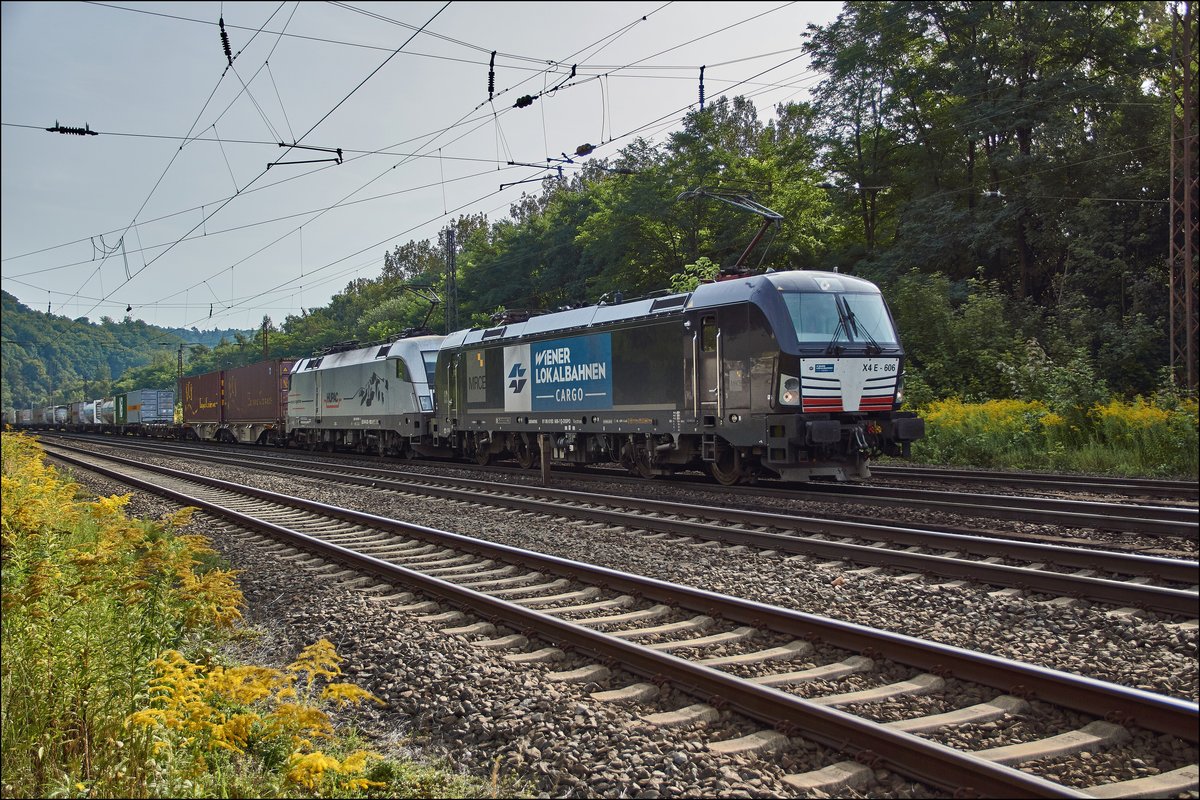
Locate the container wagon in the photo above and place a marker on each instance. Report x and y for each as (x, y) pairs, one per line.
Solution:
(145, 407)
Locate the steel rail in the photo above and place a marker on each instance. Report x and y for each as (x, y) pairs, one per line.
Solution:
(1169, 521)
(1182, 490)
(1161, 568)
(871, 743)
(1123, 704)
(1165, 520)
(1179, 602)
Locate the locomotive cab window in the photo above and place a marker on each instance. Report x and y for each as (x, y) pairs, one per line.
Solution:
(402, 370)
(828, 318)
(708, 334)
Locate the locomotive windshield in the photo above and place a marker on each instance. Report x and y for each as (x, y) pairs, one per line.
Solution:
(831, 319)
(430, 359)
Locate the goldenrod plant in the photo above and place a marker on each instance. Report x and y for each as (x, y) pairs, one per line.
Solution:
(1151, 437)
(111, 682)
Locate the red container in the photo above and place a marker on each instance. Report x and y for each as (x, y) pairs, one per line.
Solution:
(201, 397)
(257, 393)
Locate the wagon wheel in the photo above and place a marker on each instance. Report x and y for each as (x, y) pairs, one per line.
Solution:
(483, 448)
(727, 469)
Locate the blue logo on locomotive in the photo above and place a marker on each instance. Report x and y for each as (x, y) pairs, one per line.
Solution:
(517, 373)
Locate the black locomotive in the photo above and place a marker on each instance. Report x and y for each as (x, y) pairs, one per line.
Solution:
(792, 375)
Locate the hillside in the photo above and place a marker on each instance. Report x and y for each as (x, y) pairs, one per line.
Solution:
(48, 358)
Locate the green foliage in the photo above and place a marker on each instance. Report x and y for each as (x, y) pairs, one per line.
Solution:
(161, 373)
(51, 359)
(90, 597)
(997, 168)
(694, 274)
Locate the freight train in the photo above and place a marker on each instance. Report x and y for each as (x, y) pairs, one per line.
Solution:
(789, 375)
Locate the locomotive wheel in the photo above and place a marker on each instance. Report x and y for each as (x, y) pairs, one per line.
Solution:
(727, 470)
(637, 460)
(526, 453)
(483, 457)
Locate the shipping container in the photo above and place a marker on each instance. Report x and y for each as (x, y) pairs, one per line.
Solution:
(106, 411)
(201, 396)
(257, 393)
(83, 413)
(145, 406)
(255, 402)
(25, 416)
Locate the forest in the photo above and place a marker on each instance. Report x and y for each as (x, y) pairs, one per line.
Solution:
(1000, 169)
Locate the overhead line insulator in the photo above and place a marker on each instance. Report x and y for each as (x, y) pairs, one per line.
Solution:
(84, 131)
(492, 76)
(225, 42)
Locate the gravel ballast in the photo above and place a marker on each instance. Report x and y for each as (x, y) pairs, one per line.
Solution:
(447, 697)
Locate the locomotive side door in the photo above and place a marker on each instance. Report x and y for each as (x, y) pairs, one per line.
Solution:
(706, 344)
(318, 397)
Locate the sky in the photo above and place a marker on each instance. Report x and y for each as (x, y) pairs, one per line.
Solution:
(171, 214)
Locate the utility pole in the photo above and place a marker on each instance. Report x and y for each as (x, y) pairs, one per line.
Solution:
(451, 282)
(1185, 198)
(266, 339)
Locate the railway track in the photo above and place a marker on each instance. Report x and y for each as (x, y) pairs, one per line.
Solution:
(1169, 522)
(661, 633)
(1095, 484)
(1130, 583)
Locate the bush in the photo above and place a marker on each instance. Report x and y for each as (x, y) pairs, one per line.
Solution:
(998, 433)
(90, 598)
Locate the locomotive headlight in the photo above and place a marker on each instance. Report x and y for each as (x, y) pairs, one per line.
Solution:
(789, 390)
(900, 390)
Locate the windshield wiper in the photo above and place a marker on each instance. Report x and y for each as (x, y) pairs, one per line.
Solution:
(863, 332)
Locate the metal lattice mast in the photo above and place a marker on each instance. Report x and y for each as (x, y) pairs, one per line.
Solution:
(451, 283)
(1185, 199)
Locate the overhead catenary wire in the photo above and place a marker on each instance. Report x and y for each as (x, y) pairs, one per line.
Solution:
(174, 156)
(692, 78)
(310, 130)
(460, 121)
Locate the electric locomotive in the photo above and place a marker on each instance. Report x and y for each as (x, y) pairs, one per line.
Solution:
(372, 399)
(794, 375)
